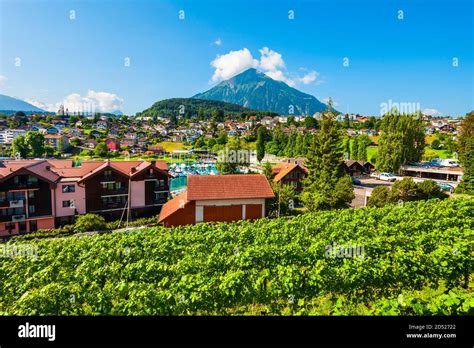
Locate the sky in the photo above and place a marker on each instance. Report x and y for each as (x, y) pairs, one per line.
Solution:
(110, 55)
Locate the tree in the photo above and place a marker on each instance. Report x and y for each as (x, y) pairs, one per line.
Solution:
(260, 143)
(89, 222)
(428, 189)
(347, 122)
(355, 148)
(283, 202)
(310, 122)
(435, 144)
(363, 142)
(326, 185)
(402, 141)
(233, 157)
(378, 196)
(20, 147)
(347, 148)
(267, 171)
(222, 138)
(101, 150)
(404, 190)
(466, 154)
(291, 144)
(35, 143)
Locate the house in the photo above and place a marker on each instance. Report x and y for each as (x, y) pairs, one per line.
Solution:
(91, 143)
(290, 174)
(75, 132)
(128, 143)
(156, 149)
(212, 198)
(8, 135)
(56, 141)
(52, 130)
(44, 194)
(358, 168)
(100, 125)
(112, 144)
(95, 134)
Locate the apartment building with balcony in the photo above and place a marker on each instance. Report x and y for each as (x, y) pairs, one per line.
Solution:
(43, 194)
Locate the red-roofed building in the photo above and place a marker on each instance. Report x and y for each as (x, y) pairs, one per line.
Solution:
(112, 144)
(210, 198)
(290, 174)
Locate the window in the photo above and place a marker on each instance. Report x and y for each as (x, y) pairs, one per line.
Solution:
(32, 180)
(110, 186)
(16, 180)
(108, 173)
(31, 209)
(33, 226)
(69, 188)
(31, 194)
(67, 204)
(3, 197)
(118, 185)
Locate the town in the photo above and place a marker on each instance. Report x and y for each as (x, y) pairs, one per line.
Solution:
(55, 167)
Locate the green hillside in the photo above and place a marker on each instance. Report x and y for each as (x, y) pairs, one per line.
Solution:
(189, 107)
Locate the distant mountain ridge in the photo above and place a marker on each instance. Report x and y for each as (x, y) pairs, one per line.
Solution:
(255, 90)
(13, 104)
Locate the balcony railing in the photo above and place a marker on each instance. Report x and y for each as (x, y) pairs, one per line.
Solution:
(16, 204)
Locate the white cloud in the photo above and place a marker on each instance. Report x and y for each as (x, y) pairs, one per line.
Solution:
(309, 77)
(92, 102)
(271, 63)
(43, 106)
(218, 42)
(3, 80)
(232, 63)
(431, 112)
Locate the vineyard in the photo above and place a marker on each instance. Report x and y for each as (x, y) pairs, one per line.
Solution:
(410, 259)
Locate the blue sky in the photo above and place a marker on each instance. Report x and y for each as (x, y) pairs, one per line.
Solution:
(81, 61)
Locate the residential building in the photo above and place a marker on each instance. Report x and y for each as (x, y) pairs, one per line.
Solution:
(112, 144)
(43, 194)
(56, 141)
(211, 198)
(290, 174)
(358, 168)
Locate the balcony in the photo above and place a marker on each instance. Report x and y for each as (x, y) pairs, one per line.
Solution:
(161, 188)
(18, 218)
(16, 204)
(113, 192)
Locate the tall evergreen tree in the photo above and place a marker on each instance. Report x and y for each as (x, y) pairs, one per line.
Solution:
(291, 145)
(260, 143)
(466, 154)
(355, 149)
(326, 185)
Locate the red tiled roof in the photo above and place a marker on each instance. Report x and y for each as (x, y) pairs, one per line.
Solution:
(173, 205)
(202, 187)
(283, 168)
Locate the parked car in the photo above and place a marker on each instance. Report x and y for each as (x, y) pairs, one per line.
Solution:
(387, 177)
(374, 175)
(356, 181)
(445, 187)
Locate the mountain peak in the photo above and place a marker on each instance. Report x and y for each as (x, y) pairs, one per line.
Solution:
(255, 90)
